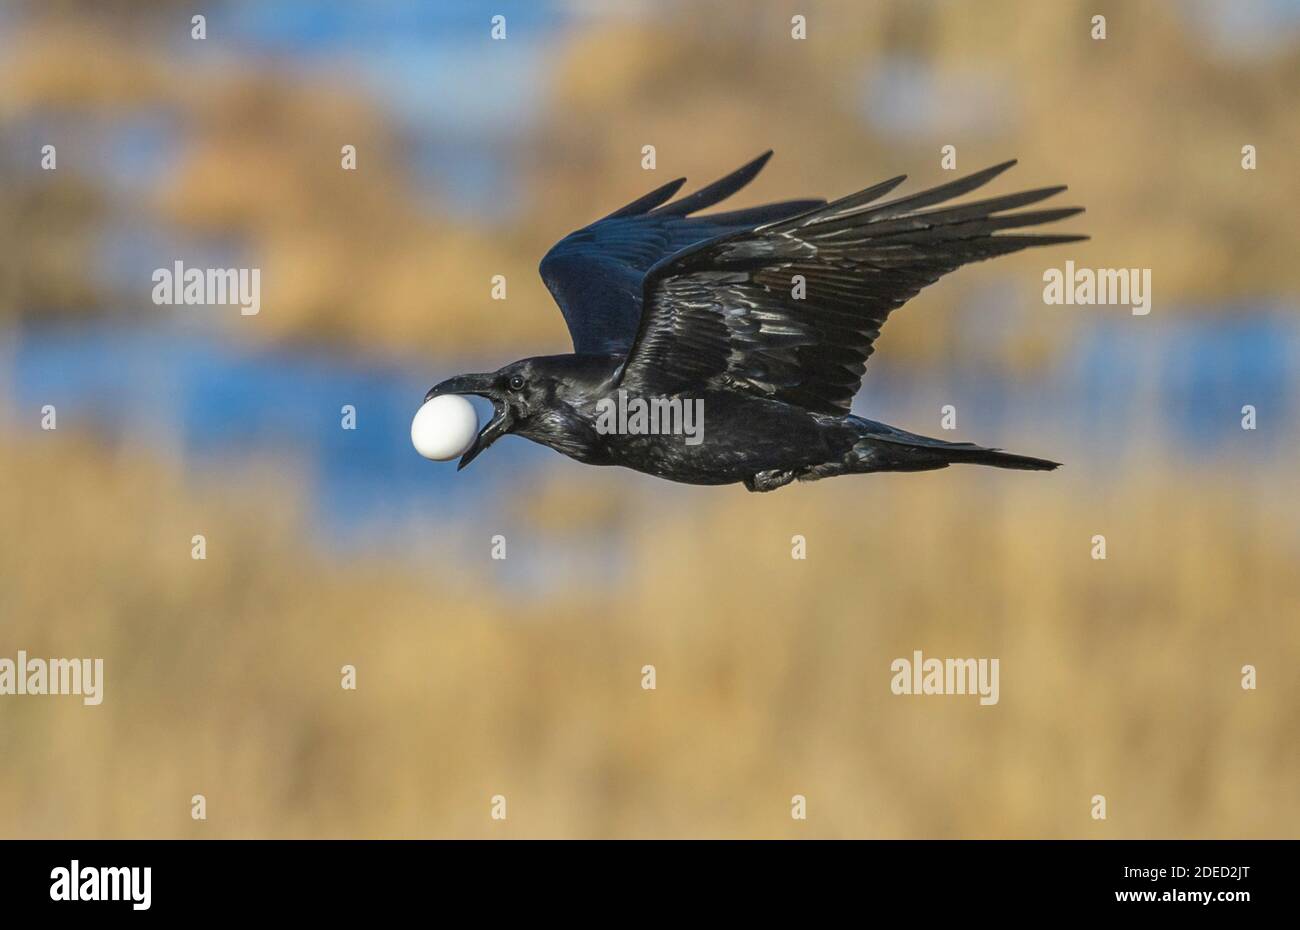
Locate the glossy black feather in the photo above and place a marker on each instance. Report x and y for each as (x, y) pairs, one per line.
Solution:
(595, 273)
(727, 312)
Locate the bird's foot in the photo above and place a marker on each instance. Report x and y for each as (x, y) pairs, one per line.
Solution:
(769, 480)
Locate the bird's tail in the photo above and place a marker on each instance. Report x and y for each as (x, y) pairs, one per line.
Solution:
(884, 448)
(979, 455)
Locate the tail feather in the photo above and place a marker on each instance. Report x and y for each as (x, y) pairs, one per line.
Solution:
(884, 448)
(999, 459)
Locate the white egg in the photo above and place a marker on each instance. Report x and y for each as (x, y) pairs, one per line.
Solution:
(444, 427)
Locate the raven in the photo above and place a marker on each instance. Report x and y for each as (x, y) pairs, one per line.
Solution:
(763, 317)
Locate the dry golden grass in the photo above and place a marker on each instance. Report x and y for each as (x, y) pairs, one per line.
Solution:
(222, 676)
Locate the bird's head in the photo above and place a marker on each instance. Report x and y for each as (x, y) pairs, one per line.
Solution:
(519, 392)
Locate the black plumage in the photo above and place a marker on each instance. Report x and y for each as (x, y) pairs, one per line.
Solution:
(764, 317)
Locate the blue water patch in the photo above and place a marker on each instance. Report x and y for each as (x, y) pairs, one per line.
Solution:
(217, 403)
(1189, 375)
(302, 26)
(187, 389)
(459, 98)
(1176, 382)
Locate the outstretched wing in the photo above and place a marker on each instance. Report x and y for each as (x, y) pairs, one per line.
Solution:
(595, 273)
(729, 313)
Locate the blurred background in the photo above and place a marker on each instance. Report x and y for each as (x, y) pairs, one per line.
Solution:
(522, 677)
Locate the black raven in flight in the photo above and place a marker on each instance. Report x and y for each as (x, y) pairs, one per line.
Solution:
(762, 317)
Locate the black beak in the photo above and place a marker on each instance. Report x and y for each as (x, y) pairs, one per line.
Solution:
(483, 385)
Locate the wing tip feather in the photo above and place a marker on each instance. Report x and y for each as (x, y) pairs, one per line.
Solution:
(647, 202)
(719, 190)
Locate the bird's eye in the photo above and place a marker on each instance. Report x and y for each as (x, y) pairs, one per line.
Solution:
(516, 383)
